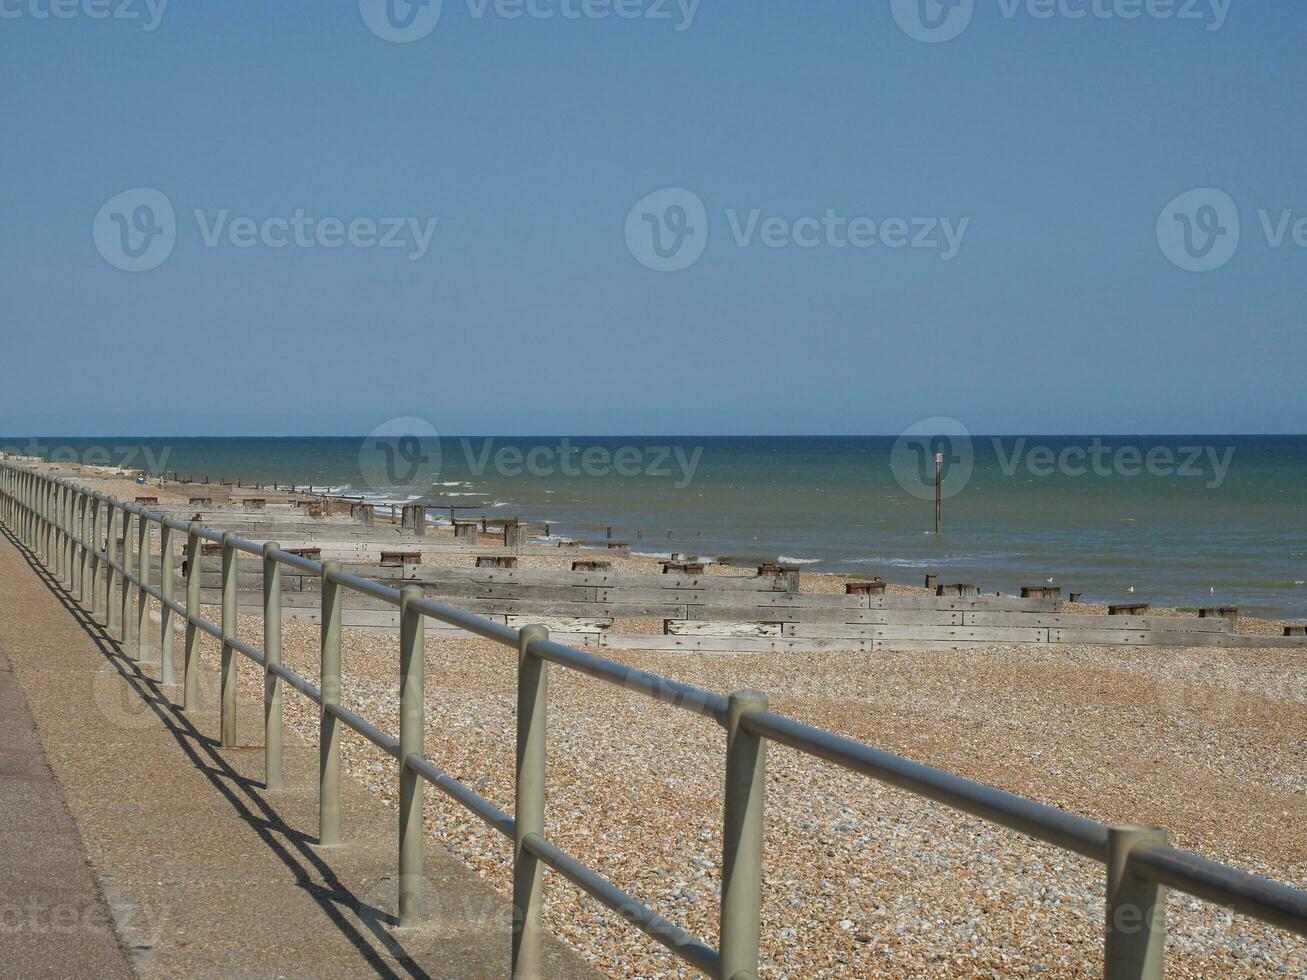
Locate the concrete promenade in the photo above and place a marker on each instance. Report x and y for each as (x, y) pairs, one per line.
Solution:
(128, 811)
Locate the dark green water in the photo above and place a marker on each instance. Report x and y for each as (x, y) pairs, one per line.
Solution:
(1185, 520)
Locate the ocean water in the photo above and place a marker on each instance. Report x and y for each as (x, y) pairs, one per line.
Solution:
(1170, 520)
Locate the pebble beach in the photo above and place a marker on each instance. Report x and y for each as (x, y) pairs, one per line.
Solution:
(862, 879)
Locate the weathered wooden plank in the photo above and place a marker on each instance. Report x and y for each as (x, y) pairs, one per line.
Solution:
(965, 603)
(557, 608)
(563, 624)
(1172, 639)
(729, 644)
(681, 627)
(879, 617)
(613, 580)
(972, 634)
(495, 591)
(1090, 621)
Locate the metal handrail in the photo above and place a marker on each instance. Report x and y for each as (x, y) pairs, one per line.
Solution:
(45, 511)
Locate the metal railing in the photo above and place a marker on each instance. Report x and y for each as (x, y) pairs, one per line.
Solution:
(66, 524)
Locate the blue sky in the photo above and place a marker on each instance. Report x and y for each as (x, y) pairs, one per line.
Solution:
(1053, 143)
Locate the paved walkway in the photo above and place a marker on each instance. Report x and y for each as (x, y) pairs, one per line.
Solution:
(53, 918)
(204, 872)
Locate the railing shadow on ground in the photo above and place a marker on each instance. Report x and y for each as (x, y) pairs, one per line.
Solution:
(250, 805)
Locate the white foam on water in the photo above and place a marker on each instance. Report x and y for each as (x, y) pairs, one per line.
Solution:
(786, 559)
(894, 562)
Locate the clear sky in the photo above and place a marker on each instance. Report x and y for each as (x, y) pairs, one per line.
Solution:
(1049, 144)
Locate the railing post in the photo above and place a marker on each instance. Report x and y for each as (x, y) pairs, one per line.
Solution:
(47, 526)
(329, 726)
(272, 710)
(528, 873)
(57, 514)
(61, 531)
(746, 778)
(144, 536)
(167, 572)
(75, 518)
(227, 685)
(114, 610)
(66, 519)
(56, 531)
(128, 621)
(79, 545)
(191, 653)
(412, 724)
(1135, 918)
(47, 529)
(56, 550)
(51, 526)
(85, 521)
(97, 566)
(42, 513)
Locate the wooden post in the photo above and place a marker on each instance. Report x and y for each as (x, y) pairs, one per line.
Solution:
(939, 496)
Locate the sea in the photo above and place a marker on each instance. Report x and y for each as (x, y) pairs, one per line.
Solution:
(1172, 520)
